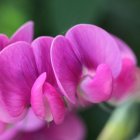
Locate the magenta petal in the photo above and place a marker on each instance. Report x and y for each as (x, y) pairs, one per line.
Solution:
(37, 101)
(127, 82)
(126, 51)
(98, 88)
(71, 129)
(24, 33)
(17, 74)
(6, 117)
(3, 41)
(56, 103)
(30, 122)
(66, 67)
(95, 46)
(46, 102)
(41, 48)
(9, 134)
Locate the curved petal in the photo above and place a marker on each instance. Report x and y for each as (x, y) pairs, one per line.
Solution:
(127, 82)
(41, 48)
(98, 88)
(37, 101)
(55, 102)
(71, 129)
(24, 33)
(3, 41)
(30, 122)
(126, 51)
(95, 46)
(5, 116)
(46, 102)
(67, 68)
(17, 75)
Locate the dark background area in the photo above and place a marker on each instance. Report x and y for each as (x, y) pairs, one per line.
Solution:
(52, 17)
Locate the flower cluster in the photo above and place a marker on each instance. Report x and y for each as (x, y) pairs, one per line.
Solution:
(51, 76)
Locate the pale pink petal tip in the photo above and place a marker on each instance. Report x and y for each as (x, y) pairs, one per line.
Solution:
(24, 33)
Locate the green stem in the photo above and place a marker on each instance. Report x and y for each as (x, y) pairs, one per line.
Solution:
(122, 123)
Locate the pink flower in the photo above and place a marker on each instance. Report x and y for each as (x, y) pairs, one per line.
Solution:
(85, 62)
(24, 33)
(27, 79)
(87, 65)
(71, 129)
(93, 66)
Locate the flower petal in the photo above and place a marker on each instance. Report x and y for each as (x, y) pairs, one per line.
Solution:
(5, 116)
(3, 41)
(127, 81)
(98, 88)
(66, 67)
(56, 103)
(46, 102)
(41, 48)
(9, 134)
(17, 75)
(37, 101)
(95, 46)
(30, 122)
(126, 51)
(24, 33)
(71, 129)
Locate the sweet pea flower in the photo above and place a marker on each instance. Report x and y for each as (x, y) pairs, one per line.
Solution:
(71, 129)
(93, 65)
(85, 62)
(27, 80)
(24, 33)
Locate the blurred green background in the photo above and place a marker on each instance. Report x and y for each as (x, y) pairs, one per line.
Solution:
(52, 17)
